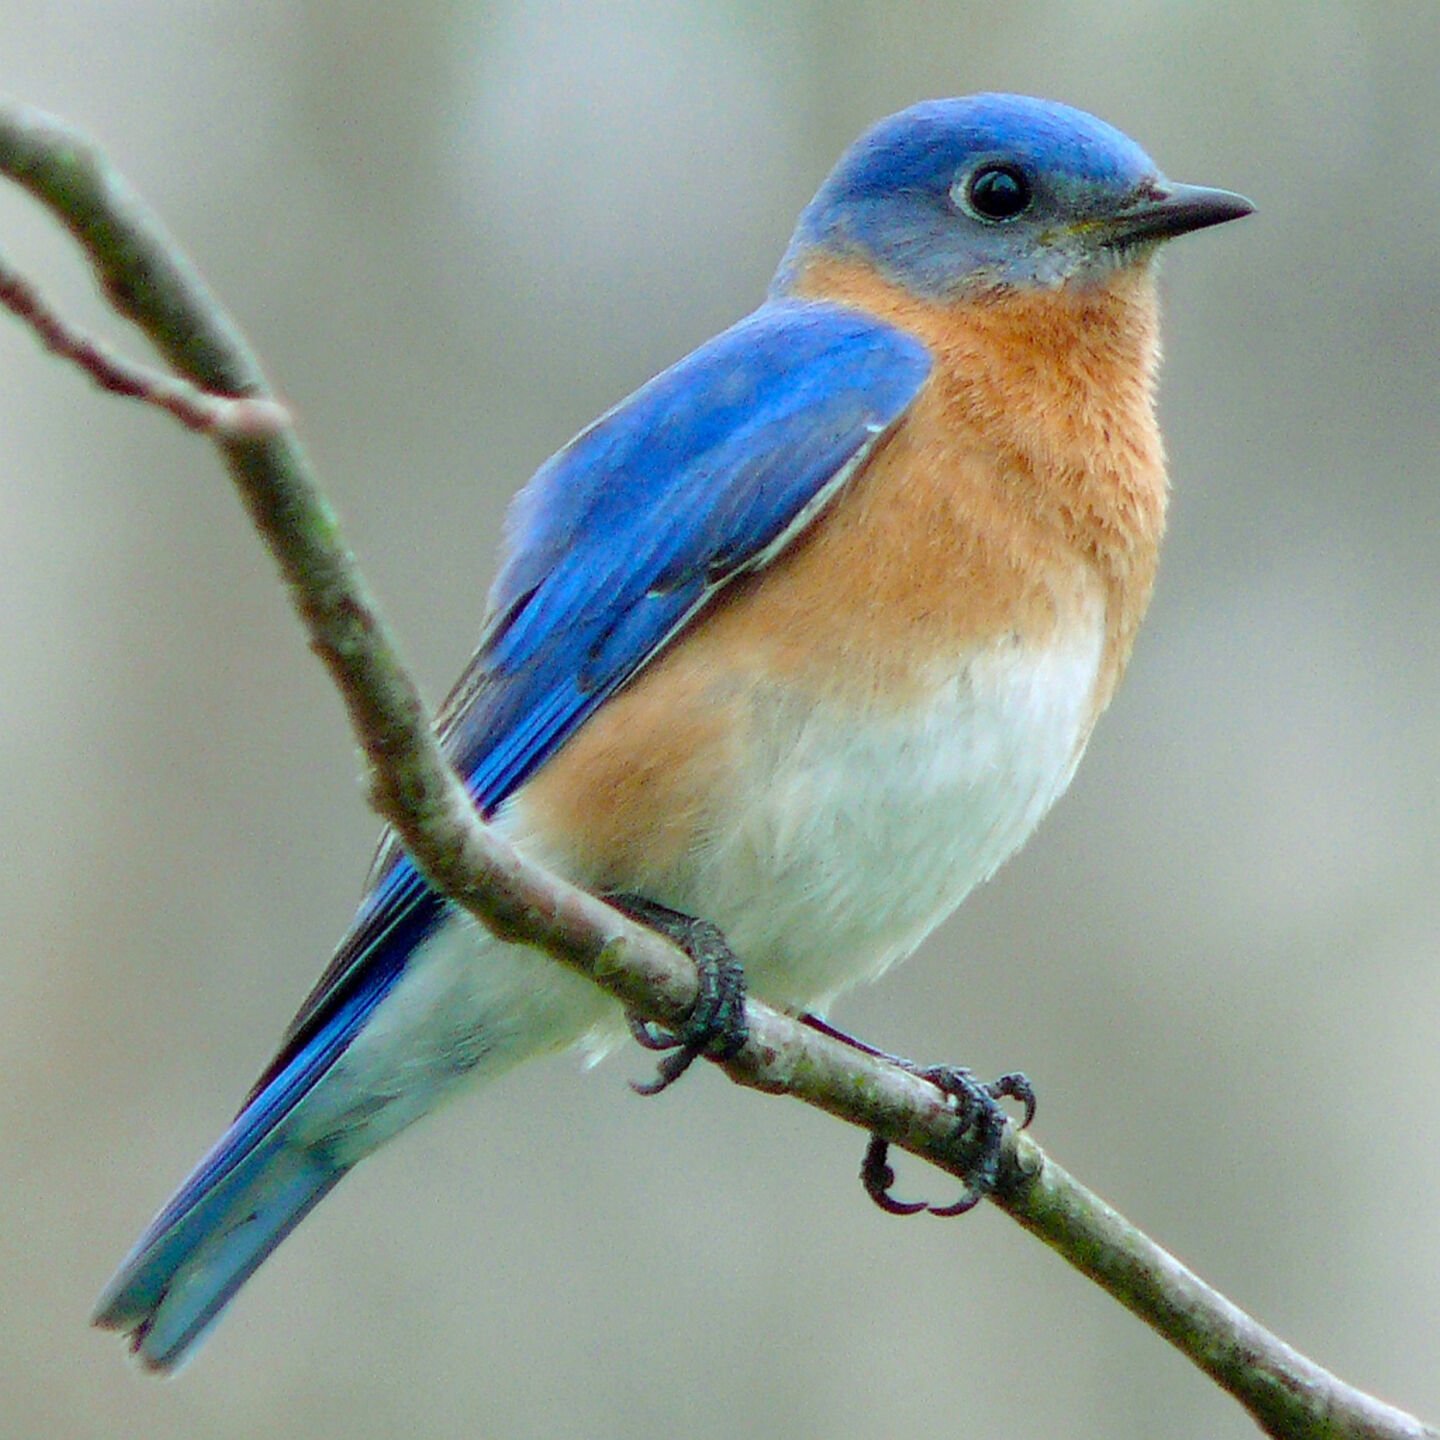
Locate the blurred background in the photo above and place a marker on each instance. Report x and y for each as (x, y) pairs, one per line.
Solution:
(456, 232)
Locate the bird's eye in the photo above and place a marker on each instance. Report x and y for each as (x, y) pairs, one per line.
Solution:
(996, 193)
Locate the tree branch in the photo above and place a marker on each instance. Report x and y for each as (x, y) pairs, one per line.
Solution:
(218, 387)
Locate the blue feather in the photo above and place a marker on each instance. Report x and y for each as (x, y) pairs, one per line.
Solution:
(621, 536)
(615, 544)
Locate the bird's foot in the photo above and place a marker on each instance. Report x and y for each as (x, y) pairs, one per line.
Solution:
(715, 1026)
(980, 1121)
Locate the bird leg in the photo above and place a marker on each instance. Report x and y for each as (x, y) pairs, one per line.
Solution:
(715, 1026)
(977, 1109)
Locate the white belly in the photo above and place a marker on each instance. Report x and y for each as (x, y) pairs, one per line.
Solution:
(845, 842)
(859, 836)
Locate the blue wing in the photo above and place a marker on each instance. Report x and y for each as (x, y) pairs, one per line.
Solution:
(615, 544)
(623, 536)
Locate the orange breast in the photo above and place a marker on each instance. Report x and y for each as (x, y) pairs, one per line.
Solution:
(1040, 420)
(1025, 486)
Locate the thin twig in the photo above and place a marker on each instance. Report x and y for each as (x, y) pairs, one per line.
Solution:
(414, 789)
(221, 416)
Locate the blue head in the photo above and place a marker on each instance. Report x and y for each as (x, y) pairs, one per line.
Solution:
(994, 191)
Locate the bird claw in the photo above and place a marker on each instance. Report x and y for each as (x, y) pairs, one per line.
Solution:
(715, 1026)
(877, 1175)
(978, 1109)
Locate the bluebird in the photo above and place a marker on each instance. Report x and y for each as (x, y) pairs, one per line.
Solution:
(801, 639)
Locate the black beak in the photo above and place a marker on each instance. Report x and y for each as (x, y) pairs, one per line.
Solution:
(1174, 210)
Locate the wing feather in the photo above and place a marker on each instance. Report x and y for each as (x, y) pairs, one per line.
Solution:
(615, 545)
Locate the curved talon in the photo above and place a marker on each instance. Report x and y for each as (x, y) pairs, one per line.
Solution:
(648, 1035)
(1015, 1086)
(968, 1201)
(877, 1176)
(715, 1026)
(977, 1106)
(668, 1071)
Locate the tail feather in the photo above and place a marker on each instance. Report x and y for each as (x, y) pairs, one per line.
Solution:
(203, 1247)
(254, 1187)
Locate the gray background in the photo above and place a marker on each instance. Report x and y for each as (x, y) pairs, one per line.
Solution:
(456, 233)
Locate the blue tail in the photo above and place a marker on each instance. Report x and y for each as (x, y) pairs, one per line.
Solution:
(269, 1169)
(209, 1240)
(256, 1185)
